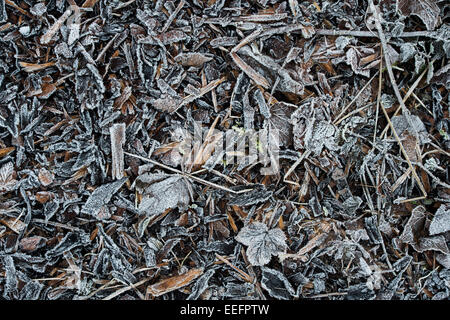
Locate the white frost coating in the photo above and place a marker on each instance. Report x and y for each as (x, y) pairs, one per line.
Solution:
(262, 243)
(117, 132)
(161, 192)
(441, 220)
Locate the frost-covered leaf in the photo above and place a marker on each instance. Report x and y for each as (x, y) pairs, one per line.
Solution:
(320, 134)
(276, 284)
(353, 58)
(258, 194)
(161, 192)
(407, 51)
(7, 181)
(414, 225)
(360, 292)
(261, 102)
(435, 243)
(167, 103)
(200, 285)
(401, 124)
(31, 290)
(427, 10)
(96, 203)
(69, 242)
(441, 220)
(352, 204)
(444, 260)
(413, 234)
(442, 76)
(11, 281)
(45, 177)
(262, 243)
(279, 120)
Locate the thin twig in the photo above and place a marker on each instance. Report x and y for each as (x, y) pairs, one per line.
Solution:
(397, 93)
(172, 16)
(380, 84)
(56, 224)
(410, 92)
(211, 184)
(338, 120)
(299, 160)
(370, 34)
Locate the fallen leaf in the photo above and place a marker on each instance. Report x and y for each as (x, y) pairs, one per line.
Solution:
(161, 192)
(262, 243)
(174, 283)
(427, 10)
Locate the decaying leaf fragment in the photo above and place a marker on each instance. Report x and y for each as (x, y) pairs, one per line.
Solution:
(32, 244)
(174, 283)
(262, 243)
(192, 59)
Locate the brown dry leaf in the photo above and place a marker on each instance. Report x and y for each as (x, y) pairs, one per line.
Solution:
(89, 3)
(43, 196)
(31, 244)
(47, 90)
(6, 151)
(410, 144)
(32, 67)
(14, 224)
(192, 59)
(316, 241)
(255, 76)
(174, 283)
(45, 177)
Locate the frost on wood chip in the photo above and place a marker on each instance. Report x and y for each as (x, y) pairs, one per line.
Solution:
(117, 132)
